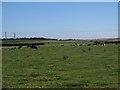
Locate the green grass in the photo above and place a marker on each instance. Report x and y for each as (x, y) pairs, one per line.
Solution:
(56, 66)
(41, 41)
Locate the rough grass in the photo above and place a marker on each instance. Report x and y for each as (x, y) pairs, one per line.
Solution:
(49, 42)
(56, 66)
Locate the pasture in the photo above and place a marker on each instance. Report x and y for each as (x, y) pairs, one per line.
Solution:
(61, 66)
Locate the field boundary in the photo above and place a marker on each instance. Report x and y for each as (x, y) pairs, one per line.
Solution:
(21, 44)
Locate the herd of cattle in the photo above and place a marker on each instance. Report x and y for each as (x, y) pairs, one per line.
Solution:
(103, 44)
(86, 44)
(35, 46)
(28, 46)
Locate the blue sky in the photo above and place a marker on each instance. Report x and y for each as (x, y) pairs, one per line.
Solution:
(60, 20)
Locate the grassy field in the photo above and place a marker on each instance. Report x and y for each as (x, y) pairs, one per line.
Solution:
(61, 66)
(48, 42)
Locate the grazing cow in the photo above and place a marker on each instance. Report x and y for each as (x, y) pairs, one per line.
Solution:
(13, 48)
(32, 46)
(103, 44)
(19, 47)
(28, 46)
(80, 44)
(62, 45)
(73, 45)
(95, 44)
(89, 44)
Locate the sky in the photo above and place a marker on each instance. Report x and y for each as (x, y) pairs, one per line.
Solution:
(60, 20)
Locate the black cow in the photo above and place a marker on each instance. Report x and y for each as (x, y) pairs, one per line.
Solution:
(32, 46)
(80, 44)
(89, 44)
(13, 48)
(62, 45)
(19, 47)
